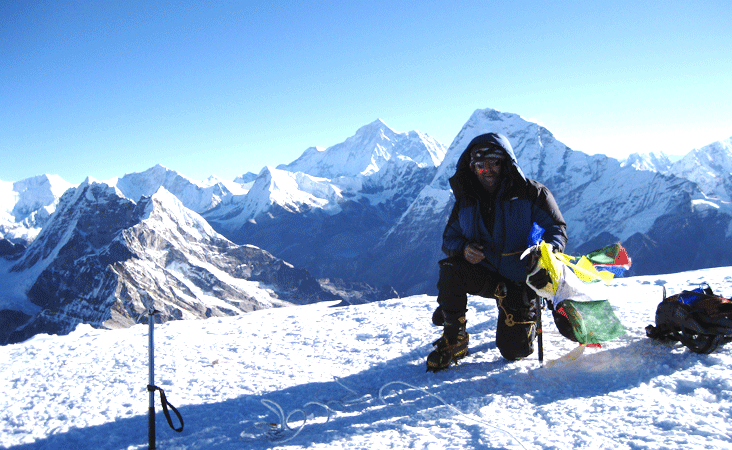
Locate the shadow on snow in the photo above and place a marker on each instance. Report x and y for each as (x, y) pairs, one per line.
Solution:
(411, 397)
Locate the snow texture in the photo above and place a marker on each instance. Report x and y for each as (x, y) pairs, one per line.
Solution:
(354, 377)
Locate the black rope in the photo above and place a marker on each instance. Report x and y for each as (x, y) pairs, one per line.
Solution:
(167, 404)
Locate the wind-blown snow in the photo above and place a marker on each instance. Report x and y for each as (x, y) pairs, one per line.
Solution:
(354, 377)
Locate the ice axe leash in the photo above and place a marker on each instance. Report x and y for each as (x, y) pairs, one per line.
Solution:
(151, 388)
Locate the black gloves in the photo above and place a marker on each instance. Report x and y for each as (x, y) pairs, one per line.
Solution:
(540, 279)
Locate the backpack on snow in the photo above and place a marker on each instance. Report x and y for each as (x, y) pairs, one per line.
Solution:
(701, 320)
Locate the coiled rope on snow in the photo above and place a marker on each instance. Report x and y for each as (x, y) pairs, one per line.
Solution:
(277, 432)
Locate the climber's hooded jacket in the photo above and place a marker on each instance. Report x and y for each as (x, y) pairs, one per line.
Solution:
(500, 223)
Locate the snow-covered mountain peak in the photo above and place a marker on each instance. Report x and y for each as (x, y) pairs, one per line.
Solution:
(25, 205)
(53, 183)
(648, 161)
(293, 191)
(246, 180)
(144, 184)
(195, 195)
(176, 210)
(82, 212)
(378, 126)
(717, 155)
(710, 167)
(543, 148)
(24, 197)
(373, 147)
(165, 213)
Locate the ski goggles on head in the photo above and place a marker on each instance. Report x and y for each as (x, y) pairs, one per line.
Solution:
(486, 163)
(487, 153)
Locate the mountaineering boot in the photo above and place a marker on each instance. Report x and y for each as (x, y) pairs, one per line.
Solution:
(453, 345)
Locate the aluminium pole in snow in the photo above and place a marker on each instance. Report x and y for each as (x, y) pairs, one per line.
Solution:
(151, 379)
(540, 331)
(151, 388)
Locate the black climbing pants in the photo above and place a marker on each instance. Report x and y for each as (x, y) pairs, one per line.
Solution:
(517, 312)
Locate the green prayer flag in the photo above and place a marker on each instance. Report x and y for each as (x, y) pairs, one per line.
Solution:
(592, 321)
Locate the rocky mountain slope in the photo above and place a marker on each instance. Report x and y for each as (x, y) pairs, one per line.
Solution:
(104, 259)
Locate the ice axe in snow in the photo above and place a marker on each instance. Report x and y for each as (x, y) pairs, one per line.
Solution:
(151, 388)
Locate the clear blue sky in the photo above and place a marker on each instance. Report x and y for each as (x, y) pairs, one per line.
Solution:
(105, 88)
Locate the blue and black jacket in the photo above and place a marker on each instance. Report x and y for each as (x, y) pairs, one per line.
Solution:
(518, 204)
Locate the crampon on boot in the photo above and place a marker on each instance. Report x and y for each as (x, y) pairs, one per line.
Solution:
(452, 346)
(446, 354)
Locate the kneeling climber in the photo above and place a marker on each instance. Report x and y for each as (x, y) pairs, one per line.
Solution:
(496, 209)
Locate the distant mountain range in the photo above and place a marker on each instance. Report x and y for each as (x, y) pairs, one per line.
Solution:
(359, 221)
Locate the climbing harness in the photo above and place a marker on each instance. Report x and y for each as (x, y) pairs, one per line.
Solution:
(501, 293)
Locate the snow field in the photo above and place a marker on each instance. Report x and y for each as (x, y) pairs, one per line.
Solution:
(354, 377)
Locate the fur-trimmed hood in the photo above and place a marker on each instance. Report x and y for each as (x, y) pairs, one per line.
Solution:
(464, 182)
